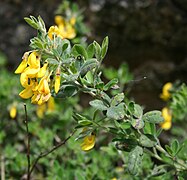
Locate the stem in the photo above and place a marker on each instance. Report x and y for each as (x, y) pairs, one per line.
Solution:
(28, 142)
(50, 151)
(2, 168)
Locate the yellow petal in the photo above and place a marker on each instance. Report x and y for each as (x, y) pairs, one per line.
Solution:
(26, 93)
(54, 30)
(166, 95)
(88, 143)
(35, 98)
(34, 60)
(57, 83)
(21, 67)
(166, 113)
(59, 20)
(24, 80)
(31, 72)
(13, 111)
(42, 71)
(166, 125)
(43, 86)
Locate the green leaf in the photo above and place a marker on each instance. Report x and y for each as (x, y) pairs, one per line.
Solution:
(85, 122)
(117, 99)
(137, 123)
(79, 50)
(175, 146)
(67, 91)
(116, 112)
(97, 50)
(169, 150)
(98, 104)
(104, 47)
(149, 128)
(153, 117)
(135, 160)
(125, 144)
(90, 50)
(88, 66)
(138, 111)
(89, 77)
(147, 140)
(31, 22)
(110, 84)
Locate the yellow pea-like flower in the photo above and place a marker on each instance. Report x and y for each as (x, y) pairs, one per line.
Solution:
(54, 30)
(166, 113)
(166, 95)
(59, 20)
(13, 111)
(88, 142)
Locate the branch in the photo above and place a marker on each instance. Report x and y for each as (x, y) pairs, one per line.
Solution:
(50, 151)
(28, 142)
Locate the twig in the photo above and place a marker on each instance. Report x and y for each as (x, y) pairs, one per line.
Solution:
(28, 143)
(2, 168)
(50, 151)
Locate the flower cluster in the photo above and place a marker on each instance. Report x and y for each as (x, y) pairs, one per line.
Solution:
(64, 28)
(34, 78)
(166, 112)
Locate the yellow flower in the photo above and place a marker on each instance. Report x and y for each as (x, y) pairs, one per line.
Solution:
(67, 30)
(54, 30)
(165, 91)
(166, 113)
(42, 93)
(88, 142)
(13, 111)
(57, 80)
(59, 20)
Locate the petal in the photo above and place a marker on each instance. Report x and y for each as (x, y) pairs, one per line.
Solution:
(59, 20)
(31, 72)
(21, 67)
(43, 86)
(88, 143)
(13, 112)
(26, 93)
(34, 60)
(166, 125)
(42, 71)
(57, 83)
(24, 80)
